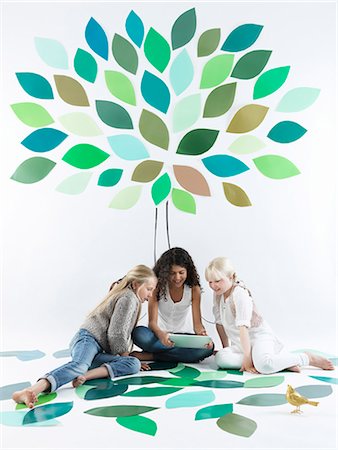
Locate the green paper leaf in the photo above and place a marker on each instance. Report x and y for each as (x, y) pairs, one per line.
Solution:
(113, 115)
(216, 70)
(220, 384)
(120, 86)
(197, 142)
(154, 130)
(80, 124)
(125, 54)
(315, 390)
(259, 382)
(242, 37)
(47, 412)
(183, 29)
(105, 391)
(85, 156)
(75, 184)
(190, 399)
(186, 112)
(52, 52)
(126, 198)
(270, 81)
(161, 189)
(276, 167)
(298, 99)
(151, 392)
(220, 100)
(208, 42)
(42, 399)
(214, 411)
(138, 423)
(33, 170)
(236, 424)
(35, 85)
(85, 65)
(110, 177)
(71, 91)
(235, 195)
(286, 132)
(157, 50)
(263, 400)
(247, 118)
(147, 171)
(186, 372)
(251, 64)
(32, 114)
(179, 382)
(183, 201)
(119, 410)
(246, 144)
(147, 379)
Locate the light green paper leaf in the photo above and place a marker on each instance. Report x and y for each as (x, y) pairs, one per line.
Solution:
(75, 184)
(183, 201)
(80, 124)
(186, 112)
(208, 42)
(154, 130)
(33, 170)
(138, 423)
(237, 424)
(120, 86)
(157, 50)
(220, 100)
(270, 81)
(52, 52)
(211, 375)
(259, 382)
(214, 411)
(161, 189)
(85, 156)
(32, 114)
(235, 195)
(298, 99)
(216, 70)
(42, 399)
(183, 29)
(247, 118)
(246, 144)
(147, 171)
(276, 167)
(190, 399)
(125, 54)
(126, 198)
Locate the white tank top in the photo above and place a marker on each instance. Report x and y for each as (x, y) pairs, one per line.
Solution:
(172, 316)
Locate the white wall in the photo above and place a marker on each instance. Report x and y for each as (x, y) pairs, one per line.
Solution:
(61, 252)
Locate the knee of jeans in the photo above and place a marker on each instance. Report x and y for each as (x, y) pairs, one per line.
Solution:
(134, 365)
(79, 367)
(139, 333)
(265, 365)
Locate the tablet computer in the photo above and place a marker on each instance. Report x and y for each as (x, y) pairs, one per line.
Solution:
(189, 340)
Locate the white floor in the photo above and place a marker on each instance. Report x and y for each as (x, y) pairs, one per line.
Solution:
(277, 428)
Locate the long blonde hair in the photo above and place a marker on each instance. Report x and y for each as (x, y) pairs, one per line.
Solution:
(139, 274)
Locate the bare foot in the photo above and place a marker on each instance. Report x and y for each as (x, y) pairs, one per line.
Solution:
(78, 381)
(319, 361)
(26, 396)
(142, 356)
(294, 369)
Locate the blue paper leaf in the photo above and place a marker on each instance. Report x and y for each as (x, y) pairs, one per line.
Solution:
(44, 139)
(96, 38)
(224, 165)
(155, 92)
(135, 28)
(35, 85)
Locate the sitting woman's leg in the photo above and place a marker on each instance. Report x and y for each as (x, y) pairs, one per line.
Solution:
(227, 358)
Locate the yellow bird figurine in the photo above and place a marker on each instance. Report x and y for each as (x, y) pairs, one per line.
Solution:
(295, 399)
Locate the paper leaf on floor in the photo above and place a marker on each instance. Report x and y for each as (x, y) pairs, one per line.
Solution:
(259, 382)
(186, 372)
(148, 379)
(42, 398)
(15, 419)
(62, 353)
(82, 390)
(119, 410)
(190, 399)
(102, 391)
(263, 400)
(178, 382)
(212, 375)
(7, 391)
(326, 379)
(162, 365)
(314, 390)
(222, 384)
(47, 412)
(236, 424)
(151, 392)
(25, 355)
(138, 423)
(214, 411)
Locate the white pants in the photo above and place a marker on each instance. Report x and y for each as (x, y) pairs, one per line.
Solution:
(265, 358)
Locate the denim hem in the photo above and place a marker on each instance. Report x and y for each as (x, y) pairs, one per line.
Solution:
(52, 382)
(110, 371)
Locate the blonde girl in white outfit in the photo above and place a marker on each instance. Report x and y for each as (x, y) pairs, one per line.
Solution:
(248, 342)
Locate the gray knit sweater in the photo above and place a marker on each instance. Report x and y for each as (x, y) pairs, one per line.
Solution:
(113, 326)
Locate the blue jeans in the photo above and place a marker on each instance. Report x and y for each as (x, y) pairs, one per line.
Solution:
(144, 338)
(87, 354)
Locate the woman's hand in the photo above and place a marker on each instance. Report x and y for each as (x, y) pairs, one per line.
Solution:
(164, 338)
(209, 345)
(247, 365)
(200, 331)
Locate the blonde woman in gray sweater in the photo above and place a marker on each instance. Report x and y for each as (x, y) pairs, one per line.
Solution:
(103, 342)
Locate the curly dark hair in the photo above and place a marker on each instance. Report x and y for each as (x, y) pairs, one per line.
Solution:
(179, 257)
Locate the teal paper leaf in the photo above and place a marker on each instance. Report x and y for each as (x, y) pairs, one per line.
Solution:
(52, 52)
(259, 382)
(285, 132)
(96, 38)
(270, 81)
(151, 392)
(276, 167)
(197, 142)
(224, 165)
(155, 92)
(44, 139)
(242, 37)
(147, 379)
(190, 399)
(33, 170)
(85, 156)
(110, 177)
(214, 411)
(138, 423)
(298, 99)
(113, 115)
(125, 54)
(35, 85)
(251, 64)
(85, 65)
(326, 379)
(181, 72)
(105, 390)
(183, 29)
(47, 412)
(220, 384)
(135, 28)
(128, 147)
(161, 189)
(263, 400)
